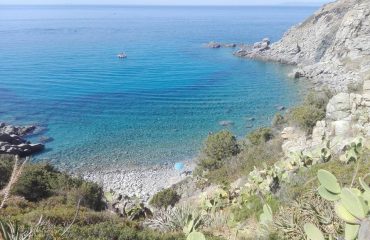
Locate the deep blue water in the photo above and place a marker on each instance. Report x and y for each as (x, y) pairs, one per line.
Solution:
(58, 68)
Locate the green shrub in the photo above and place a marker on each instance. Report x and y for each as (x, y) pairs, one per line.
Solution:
(250, 156)
(40, 181)
(34, 183)
(119, 231)
(260, 135)
(306, 116)
(166, 197)
(217, 148)
(278, 120)
(318, 99)
(6, 167)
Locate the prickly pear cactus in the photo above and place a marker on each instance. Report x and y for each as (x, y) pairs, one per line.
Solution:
(352, 151)
(351, 205)
(196, 236)
(266, 216)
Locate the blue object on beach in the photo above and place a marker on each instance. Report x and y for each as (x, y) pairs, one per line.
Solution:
(179, 166)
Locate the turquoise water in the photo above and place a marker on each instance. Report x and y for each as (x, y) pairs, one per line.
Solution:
(58, 68)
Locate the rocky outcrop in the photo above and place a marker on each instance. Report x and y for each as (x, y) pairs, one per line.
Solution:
(12, 140)
(255, 50)
(347, 117)
(332, 47)
(221, 45)
(129, 208)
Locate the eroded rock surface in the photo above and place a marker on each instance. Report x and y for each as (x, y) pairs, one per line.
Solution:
(332, 47)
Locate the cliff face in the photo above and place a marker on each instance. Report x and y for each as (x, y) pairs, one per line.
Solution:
(332, 47)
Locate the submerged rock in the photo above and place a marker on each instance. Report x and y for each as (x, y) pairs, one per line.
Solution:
(226, 123)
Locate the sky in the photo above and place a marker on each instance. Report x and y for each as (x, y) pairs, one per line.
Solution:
(168, 2)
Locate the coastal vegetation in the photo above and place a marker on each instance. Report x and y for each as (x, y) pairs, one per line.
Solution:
(304, 177)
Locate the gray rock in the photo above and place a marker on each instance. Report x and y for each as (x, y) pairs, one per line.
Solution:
(339, 107)
(332, 47)
(214, 45)
(226, 123)
(12, 141)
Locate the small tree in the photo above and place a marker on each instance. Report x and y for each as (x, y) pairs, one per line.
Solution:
(165, 198)
(217, 148)
(260, 135)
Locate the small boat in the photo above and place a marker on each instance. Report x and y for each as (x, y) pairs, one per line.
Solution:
(122, 55)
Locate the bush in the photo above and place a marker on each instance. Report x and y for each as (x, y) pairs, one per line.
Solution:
(306, 116)
(119, 231)
(165, 198)
(90, 194)
(260, 135)
(278, 120)
(34, 183)
(318, 99)
(217, 148)
(6, 167)
(40, 181)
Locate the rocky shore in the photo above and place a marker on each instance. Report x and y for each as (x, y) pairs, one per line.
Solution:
(12, 140)
(331, 48)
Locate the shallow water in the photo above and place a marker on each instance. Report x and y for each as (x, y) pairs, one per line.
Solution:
(58, 68)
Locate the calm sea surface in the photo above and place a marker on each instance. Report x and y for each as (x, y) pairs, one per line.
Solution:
(58, 69)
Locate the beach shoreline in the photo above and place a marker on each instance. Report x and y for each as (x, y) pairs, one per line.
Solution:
(138, 181)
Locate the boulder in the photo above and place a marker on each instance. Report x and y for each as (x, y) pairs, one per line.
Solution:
(342, 128)
(12, 141)
(213, 45)
(339, 107)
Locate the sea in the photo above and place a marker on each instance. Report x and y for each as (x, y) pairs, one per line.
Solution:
(59, 70)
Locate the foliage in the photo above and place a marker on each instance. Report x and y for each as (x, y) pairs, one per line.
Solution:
(260, 135)
(318, 99)
(252, 207)
(35, 183)
(217, 148)
(217, 201)
(352, 151)
(196, 236)
(307, 207)
(165, 198)
(312, 110)
(10, 231)
(278, 120)
(250, 156)
(6, 166)
(306, 116)
(119, 230)
(179, 218)
(351, 206)
(266, 215)
(41, 181)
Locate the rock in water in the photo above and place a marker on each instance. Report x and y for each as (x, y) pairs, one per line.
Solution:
(226, 123)
(12, 141)
(213, 45)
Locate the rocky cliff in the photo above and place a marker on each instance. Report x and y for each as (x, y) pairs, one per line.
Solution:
(332, 47)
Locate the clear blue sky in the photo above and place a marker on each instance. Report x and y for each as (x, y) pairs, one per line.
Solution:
(171, 2)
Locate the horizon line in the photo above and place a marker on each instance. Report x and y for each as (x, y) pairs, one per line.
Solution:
(167, 5)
